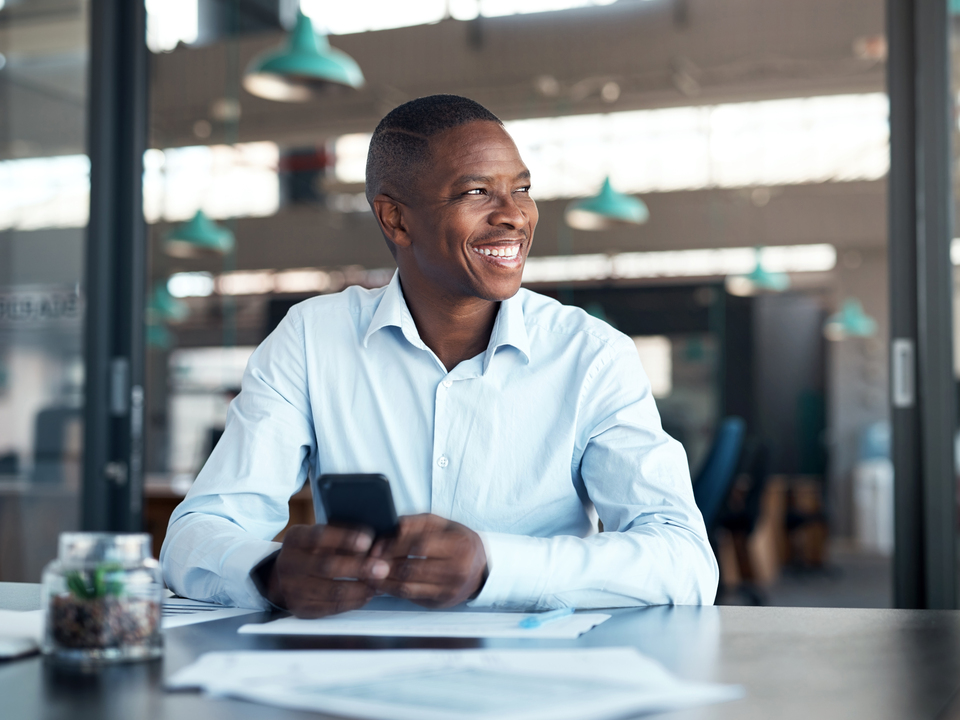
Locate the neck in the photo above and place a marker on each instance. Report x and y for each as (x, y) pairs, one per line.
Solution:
(455, 329)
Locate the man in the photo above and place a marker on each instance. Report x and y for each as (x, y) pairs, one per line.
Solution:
(500, 417)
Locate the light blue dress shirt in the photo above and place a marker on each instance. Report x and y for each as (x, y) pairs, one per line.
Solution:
(520, 444)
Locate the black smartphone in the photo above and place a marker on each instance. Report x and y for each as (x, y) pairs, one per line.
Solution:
(359, 499)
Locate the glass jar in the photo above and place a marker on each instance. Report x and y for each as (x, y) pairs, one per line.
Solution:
(101, 599)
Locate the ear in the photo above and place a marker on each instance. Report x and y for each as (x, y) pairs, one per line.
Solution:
(390, 215)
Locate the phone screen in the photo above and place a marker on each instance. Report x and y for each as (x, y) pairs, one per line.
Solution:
(359, 499)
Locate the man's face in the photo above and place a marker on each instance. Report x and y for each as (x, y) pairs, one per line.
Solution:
(472, 221)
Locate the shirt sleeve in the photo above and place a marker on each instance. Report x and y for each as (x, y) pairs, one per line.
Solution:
(240, 501)
(654, 548)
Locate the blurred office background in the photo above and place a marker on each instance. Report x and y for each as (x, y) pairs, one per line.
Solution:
(754, 277)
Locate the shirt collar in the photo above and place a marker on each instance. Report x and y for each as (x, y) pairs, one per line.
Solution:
(393, 312)
(508, 329)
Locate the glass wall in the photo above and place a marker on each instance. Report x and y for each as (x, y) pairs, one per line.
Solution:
(44, 203)
(954, 71)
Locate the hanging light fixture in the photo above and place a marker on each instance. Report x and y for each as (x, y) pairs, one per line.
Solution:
(851, 321)
(606, 210)
(159, 337)
(294, 73)
(198, 237)
(164, 307)
(758, 280)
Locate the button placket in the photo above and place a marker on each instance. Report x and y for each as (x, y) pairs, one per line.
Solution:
(441, 425)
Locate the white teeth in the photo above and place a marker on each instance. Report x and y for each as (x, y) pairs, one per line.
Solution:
(509, 252)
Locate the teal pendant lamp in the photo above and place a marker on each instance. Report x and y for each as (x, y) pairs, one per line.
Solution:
(606, 210)
(164, 307)
(198, 237)
(294, 73)
(159, 337)
(758, 280)
(851, 321)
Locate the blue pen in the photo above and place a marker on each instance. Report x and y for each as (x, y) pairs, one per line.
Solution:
(535, 621)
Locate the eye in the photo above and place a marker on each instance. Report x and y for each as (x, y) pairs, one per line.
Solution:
(475, 191)
(524, 189)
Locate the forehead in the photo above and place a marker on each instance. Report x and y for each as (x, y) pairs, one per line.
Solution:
(476, 148)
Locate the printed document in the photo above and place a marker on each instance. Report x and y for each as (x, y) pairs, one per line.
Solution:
(20, 632)
(579, 684)
(400, 623)
(180, 611)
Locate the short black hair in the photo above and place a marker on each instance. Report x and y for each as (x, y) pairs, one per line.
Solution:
(400, 145)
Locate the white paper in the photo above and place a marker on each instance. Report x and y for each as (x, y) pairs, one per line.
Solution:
(579, 684)
(20, 632)
(180, 611)
(394, 623)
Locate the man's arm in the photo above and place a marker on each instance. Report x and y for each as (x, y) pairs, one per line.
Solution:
(654, 548)
(239, 502)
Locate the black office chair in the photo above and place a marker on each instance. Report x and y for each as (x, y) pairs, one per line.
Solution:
(712, 486)
(742, 512)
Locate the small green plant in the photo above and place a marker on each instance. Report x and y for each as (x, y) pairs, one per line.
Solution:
(104, 581)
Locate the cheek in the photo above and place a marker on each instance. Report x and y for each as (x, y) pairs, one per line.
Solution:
(533, 216)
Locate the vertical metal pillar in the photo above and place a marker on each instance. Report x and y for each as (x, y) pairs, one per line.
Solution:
(921, 289)
(115, 268)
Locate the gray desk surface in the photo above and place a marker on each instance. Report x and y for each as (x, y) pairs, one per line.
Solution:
(809, 663)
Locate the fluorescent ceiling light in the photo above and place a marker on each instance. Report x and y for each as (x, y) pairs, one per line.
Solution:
(339, 18)
(302, 281)
(256, 282)
(556, 269)
(836, 138)
(190, 284)
(718, 262)
(170, 22)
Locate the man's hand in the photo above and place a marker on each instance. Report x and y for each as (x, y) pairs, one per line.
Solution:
(433, 562)
(323, 569)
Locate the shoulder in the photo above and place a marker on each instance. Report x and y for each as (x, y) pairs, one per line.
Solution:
(326, 318)
(549, 321)
(347, 303)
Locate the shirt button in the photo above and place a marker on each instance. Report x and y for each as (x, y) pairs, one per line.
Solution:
(447, 383)
(442, 461)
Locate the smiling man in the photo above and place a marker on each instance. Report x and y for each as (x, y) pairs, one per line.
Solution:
(502, 418)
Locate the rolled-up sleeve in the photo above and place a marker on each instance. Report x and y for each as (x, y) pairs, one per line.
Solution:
(240, 500)
(654, 548)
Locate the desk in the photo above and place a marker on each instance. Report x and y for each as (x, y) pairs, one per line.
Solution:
(809, 664)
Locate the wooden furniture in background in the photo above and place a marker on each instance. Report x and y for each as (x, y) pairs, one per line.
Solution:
(160, 499)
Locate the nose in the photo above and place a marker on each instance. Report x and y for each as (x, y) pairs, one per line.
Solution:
(508, 212)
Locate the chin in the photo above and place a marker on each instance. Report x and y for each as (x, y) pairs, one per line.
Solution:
(498, 292)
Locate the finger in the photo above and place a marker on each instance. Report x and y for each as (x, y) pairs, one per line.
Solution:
(412, 529)
(425, 571)
(434, 545)
(331, 566)
(321, 538)
(438, 545)
(424, 522)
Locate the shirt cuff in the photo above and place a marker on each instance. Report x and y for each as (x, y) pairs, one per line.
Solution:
(261, 577)
(517, 571)
(240, 564)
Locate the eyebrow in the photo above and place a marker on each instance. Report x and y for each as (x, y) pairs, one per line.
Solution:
(470, 179)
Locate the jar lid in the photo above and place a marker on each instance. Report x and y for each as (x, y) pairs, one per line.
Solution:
(80, 547)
